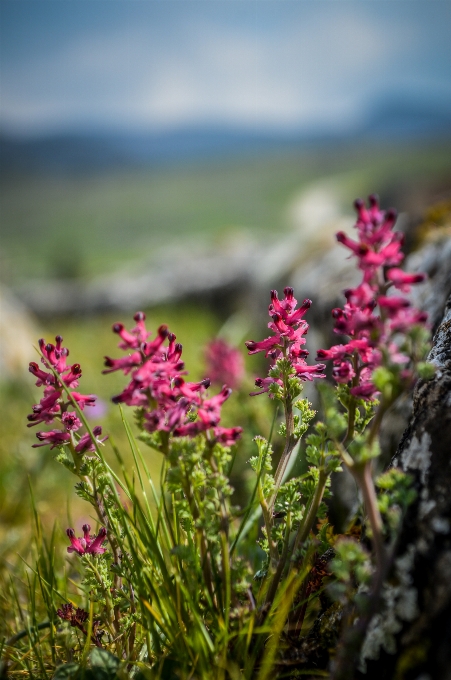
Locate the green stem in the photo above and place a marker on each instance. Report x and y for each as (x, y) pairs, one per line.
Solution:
(267, 517)
(203, 545)
(307, 524)
(290, 443)
(352, 406)
(364, 479)
(272, 590)
(376, 423)
(109, 604)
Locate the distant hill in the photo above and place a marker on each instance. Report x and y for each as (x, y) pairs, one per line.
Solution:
(393, 118)
(396, 117)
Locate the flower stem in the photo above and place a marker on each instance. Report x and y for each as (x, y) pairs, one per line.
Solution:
(364, 479)
(307, 524)
(290, 443)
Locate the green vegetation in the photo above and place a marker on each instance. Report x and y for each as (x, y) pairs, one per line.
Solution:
(85, 225)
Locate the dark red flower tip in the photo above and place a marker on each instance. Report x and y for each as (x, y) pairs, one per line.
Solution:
(288, 292)
(171, 337)
(76, 369)
(102, 532)
(322, 354)
(359, 204)
(86, 528)
(337, 313)
(139, 316)
(373, 200)
(118, 327)
(391, 214)
(250, 344)
(163, 331)
(70, 533)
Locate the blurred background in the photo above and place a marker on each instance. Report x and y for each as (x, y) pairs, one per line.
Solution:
(186, 157)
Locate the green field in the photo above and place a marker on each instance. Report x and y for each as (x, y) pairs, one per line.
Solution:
(80, 226)
(86, 225)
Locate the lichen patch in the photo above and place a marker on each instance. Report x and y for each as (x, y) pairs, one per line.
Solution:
(418, 456)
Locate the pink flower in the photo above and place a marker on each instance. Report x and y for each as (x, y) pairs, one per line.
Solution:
(43, 378)
(289, 329)
(343, 372)
(86, 444)
(265, 384)
(53, 438)
(134, 338)
(225, 363)
(305, 372)
(55, 403)
(84, 399)
(227, 436)
(125, 364)
(372, 335)
(210, 410)
(70, 421)
(47, 409)
(365, 391)
(403, 280)
(266, 345)
(77, 618)
(88, 545)
(170, 403)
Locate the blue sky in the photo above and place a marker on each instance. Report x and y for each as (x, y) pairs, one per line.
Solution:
(263, 64)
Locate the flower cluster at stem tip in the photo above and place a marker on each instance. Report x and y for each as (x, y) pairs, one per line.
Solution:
(375, 322)
(77, 618)
(170, 403)
(224, 363)
(288, 340)
(56, 405)
(87, 545)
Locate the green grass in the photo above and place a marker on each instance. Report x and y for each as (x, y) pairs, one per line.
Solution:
(81, 226)
(88, 340)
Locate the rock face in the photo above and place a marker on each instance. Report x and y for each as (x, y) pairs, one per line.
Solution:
(420, 642)
(18, 333)
(410, 637)
(423, 642)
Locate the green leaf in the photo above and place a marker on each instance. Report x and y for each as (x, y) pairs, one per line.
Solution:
(66, 672)
(426, 370)
(103, 660)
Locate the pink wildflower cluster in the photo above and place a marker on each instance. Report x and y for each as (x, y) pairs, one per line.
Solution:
(87, 545)
(170, 404)
(77, 619)
(225, 363)
(372, 335)
(54, 405)
(288, 339)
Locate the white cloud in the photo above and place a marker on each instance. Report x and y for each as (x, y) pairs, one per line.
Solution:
(319, 68)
